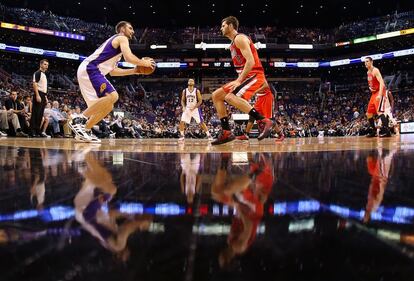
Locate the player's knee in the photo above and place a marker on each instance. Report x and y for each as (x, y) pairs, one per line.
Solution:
(113, 97)
(217, 95)
(369, 115)
(214, 96)
(229, 98)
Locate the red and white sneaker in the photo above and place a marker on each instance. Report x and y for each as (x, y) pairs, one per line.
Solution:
(267, 126)
(243, 137)
(224, 137)
(280, 137)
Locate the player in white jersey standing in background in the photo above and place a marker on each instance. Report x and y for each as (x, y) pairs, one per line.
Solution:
(191, 100)
(99, 94)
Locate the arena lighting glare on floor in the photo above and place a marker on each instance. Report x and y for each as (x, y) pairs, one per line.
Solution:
(398, 214)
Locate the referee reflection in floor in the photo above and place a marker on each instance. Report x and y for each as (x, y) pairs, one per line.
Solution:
(39, 98)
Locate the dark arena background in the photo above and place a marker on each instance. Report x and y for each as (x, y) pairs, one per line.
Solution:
(317, 190)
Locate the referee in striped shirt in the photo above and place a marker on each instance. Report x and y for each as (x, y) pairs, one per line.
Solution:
(39, 98)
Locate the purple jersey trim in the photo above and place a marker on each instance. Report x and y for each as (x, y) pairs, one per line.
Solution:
(89, 215)
(201, 115)
(99, 82)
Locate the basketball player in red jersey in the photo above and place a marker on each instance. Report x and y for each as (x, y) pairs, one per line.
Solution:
(264, 105)
(247, 194)
(238, 92)
(377, 102)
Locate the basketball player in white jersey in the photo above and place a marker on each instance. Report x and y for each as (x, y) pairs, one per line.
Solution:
(191, 100)
(99, 94)
(388, 108)
(190, 180)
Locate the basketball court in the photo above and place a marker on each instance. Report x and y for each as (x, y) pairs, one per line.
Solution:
(203, 145)
(182, 211)
(206, 140)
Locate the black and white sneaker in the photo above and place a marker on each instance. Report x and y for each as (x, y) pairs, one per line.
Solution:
(79, 131)
(93, 137)
(44, 135)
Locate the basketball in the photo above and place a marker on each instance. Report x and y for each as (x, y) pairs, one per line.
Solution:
(144, 70)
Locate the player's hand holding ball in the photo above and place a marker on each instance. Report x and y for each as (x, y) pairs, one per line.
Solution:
(146, 67)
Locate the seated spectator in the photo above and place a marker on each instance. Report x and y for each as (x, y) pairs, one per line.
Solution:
(23, 116)
(56, 118)
(4, 123)
(355, 115)
(43, 126)
(137, 128)
(27, 102)
(66, 113)
(117, 127)
(12, 114)
(76, 113)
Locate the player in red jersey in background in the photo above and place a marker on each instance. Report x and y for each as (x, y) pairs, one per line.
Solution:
(378, 101)
(239, 92)
(264, 105)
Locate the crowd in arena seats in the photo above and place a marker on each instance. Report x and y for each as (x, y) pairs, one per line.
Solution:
(296, 35)
(48, 20)
(96, 33)
(377, 25)
(154, 111)
(285, 35)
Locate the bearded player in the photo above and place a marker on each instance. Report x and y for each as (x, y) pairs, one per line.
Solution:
(99, 94)
(239, 92)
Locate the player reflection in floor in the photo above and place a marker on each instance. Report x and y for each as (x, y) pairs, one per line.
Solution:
(247, 195)
(190, 179)
(379, 167)
(96, 192)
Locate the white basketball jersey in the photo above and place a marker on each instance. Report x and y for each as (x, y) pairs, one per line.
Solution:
(190, 98)
(105, 58)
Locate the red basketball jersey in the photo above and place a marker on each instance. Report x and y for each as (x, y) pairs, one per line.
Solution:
(239, 60)
(373, 82)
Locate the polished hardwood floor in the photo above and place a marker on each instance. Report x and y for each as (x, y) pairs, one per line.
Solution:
(156, 209)
(203, 146)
